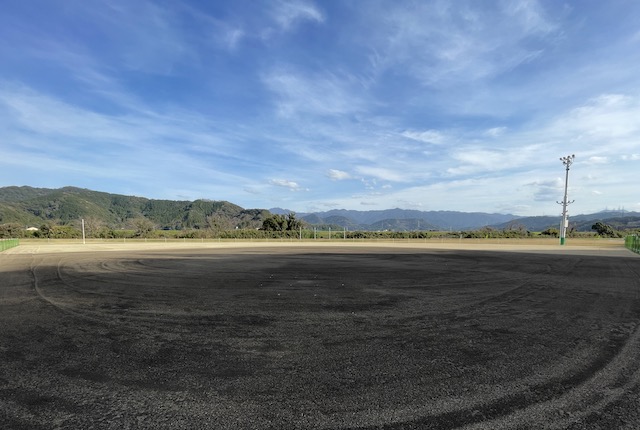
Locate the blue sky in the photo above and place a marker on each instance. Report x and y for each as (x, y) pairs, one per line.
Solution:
(311, 106)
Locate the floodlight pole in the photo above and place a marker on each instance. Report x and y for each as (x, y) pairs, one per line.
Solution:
(83, 239)
(567, 161)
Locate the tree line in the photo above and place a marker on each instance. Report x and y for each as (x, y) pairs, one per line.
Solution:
(273, 227)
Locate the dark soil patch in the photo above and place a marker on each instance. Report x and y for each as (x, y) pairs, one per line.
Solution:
(319, 338)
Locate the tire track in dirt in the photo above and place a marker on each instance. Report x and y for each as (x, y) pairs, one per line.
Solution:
(576, 397)
(594, 389)
(524, 289)
(520, 286)
(62, 307)
(53, 274)
(73, 294)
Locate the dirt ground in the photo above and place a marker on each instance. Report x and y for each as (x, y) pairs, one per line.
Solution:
(309, 336)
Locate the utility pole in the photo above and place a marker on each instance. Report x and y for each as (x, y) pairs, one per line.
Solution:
(567, 161)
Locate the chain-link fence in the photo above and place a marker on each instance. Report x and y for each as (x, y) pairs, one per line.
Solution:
(633, 243)
(8, 243)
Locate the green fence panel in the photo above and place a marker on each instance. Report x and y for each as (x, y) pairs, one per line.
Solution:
(632, 243)
(8, 243)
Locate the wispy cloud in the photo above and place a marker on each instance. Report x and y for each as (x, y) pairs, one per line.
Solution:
(338, 175)
(381, 173)
(285, 183)
(434, 137)
(94, 144)
(607, 116)
(150, 35)
(288, 13)
(495, 131)
(409, 104)
(442, 43)
(597, 160)
(322, 94)
(548, 190)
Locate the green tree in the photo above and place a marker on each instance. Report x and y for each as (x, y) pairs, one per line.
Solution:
(293, 224)
(11, 230)
(281, 223)
(93, 226)
(44, 231)
(515, 229)
(143, 226)
(216, 222)
(604, 230)
(64, 232)
(275, 222)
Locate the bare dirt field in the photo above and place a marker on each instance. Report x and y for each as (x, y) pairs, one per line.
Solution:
(307, 336)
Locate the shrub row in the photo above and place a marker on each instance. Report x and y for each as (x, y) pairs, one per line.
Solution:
(72, 232)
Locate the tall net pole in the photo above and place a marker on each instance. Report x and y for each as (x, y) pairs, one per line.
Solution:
(567, 161)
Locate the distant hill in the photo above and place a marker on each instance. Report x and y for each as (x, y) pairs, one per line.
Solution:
(30, 206)
(35, 206)
(532, 223)
(617, 219)
(410, 220)
(403, 219)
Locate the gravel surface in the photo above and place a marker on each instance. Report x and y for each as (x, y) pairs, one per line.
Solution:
(301, 336)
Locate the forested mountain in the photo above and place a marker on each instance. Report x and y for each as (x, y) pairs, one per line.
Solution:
(410, 220)
(619, 220)
(35, 206)
(403, 219)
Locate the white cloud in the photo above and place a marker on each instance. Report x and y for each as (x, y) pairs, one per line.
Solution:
(548, 190)
(289, 13)
(442, 42)
(48, 116)
(53, 119)
(495, 131)
(381, 173)
(82, 145)
(150, 36)
(452, 108)
(477, 160)
(608, 116)
(434, 137)
(322, 94)
(529, 16)
(338, 175)
(597, 160)
(232, 38)
(291, 185)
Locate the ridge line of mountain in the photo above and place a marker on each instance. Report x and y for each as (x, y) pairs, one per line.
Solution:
(29, 205)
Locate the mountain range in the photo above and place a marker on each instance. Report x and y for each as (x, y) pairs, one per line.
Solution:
(30, 206)
(401, 219)
(35, 206)
(408, 220)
